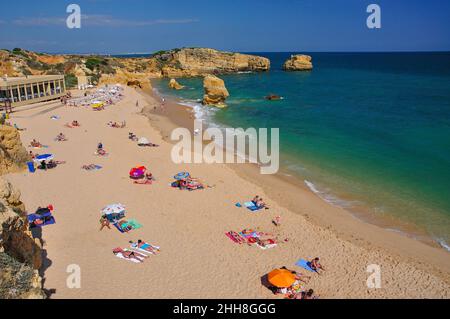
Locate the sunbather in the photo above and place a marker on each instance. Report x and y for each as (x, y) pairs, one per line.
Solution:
(144, 246)
(316, 266)
(129, 254)
(307, 295)
(61, 138)
(124, 226)
(35, 143)
(148, 179)
(75, 124)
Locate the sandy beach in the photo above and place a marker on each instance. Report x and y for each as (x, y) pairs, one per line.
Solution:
(197, 260)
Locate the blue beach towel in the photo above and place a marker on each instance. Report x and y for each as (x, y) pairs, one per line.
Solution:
(251, 206)
(305, 265)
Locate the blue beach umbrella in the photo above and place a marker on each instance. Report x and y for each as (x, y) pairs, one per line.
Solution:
(43, 157)
(181, 176)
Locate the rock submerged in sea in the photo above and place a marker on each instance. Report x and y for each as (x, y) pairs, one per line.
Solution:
(298, 62)
(173, 84)
(215, 91)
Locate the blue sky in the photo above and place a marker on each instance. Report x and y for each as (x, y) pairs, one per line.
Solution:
(141, 26)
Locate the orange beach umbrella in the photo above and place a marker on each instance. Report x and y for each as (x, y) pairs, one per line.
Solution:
(281, 278)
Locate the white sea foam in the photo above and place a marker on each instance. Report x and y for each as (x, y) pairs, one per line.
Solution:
(443, 244)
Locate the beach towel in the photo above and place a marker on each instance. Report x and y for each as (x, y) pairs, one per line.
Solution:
(251, 206)
(121, 256)
(235, 237)
(143, 248)
(133, 223)
(91, 167)
(266, 246)
(47, 219)
(305, 265)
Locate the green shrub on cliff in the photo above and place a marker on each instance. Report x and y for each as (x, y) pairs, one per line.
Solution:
(71, 80)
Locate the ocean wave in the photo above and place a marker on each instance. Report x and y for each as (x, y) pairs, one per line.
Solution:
(443, 244)
(328, 197)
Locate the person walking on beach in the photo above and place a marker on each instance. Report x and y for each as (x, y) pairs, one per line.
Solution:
(104, 222)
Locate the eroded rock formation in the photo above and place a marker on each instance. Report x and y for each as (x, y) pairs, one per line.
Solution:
(13, 155)
(299, 62)
(173, 84)
(215, 91)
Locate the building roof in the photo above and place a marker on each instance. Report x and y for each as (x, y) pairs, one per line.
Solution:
(11, 81)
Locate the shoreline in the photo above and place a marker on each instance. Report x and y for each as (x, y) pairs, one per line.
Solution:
(352, 226)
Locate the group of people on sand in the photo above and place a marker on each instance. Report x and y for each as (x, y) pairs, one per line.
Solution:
(259, 202)
(117, 125)
(36, 144)
(295, 291)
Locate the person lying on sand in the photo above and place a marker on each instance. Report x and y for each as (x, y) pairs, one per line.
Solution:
(260, 204)
(129, 254)
(60, 138)
(307, 295)
(298, 276)
(75, 123)
(104, 222)
(316, 266)
(148, 179)
(147, 247)
(125, 228)
(35, 143)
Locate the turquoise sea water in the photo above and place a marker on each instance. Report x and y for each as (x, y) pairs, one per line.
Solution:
(363, 129)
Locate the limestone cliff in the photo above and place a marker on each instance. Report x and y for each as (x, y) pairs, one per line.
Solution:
(298, 62)
(13, 155)
(20, 254)
(189, 62)
(215, 91)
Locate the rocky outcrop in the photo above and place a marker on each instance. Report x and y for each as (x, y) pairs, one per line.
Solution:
(13, 156)
(298, 62)
(215, 91)
(173, 84)
(189, 62)
(20, 254)
(140, 80)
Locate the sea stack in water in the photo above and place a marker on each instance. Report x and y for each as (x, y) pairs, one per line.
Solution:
(299, 62)
(173, 84)
(215, 91)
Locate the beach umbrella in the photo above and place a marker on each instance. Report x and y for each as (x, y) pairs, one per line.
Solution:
(113, 209)
(181, 176)
(137, 172)
(281, 278)
(143, 141)
(43, 157)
